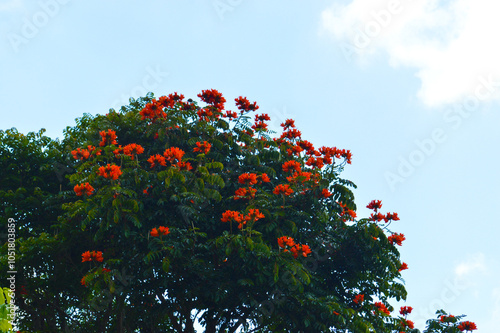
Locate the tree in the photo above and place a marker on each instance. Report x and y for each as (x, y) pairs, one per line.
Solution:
(174, 213)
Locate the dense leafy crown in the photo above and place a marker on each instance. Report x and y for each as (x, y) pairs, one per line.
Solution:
(175, 212)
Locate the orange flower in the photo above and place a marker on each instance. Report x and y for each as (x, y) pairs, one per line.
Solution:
(396, 238)
(447, 319)
(254, 215)
(405, 310)
(202, 147)
(184, 166)
(108, 137)
(407, 323)
(154, 109)
(244, 104)
(79, 189)
(212, 96)
(86, 256)
(243, 192)
(467, 326)
(382, 308)
(80, 154)
(110, 171)
(248, 178)
(303, 176)
(284, 240)
(83, 281)
(264, 178)
(161, 231)
(305, 250)
(173, 154)
(391, 217)
(133, 149)
(375, 205)
(403, 267)
(291, 165)
(377, 217)
(92, 256)
(285, 189)
(326, 194)
(315, 162)
(288, 123)
(157, 160)
(295, 150)
(291, 134)
(231, 215)
(359, 298)
(154, 232)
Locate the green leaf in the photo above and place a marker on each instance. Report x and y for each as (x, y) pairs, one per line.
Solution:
(166, 264)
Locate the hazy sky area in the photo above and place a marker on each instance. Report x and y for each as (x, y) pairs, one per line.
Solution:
(410, 87)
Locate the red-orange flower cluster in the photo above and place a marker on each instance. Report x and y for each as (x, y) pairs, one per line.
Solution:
(325, 193)
(202, 147)
(359, 298)
(405, 310)
(382, 308)
(230, 216)
(467, 326)
(154, 109)
(157, 160)
(213, 97)
(407, 323)
(254, 215)
(375, 205)
(92, 256)
(244, 104)
(80, 154)
(315, 162)
(447, 319)
(403, 267)
(110, 171)
(173, 154)
(289, 123)
(244, 193)
(289, 244)
(396, 238)
(346, 212)
(83, 188)
(259, 126)
(283, 189)
(291, 134)
(205, 114)
(329, 152)
(107, 138)
(264, 178)
(377, 217)
(248, 178)
(83, 282)
(230, 115)
(291, 166)
(391, 217)
(161, 231)
(133, 149)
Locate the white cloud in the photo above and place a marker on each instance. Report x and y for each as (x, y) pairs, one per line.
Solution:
(10, 5)
(450, 43)
(473, 264)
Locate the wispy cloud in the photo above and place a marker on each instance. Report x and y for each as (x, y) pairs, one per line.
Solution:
(472, 265)
(450, 43)
(9, 5)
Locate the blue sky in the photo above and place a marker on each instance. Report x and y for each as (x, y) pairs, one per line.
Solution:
(409, 87)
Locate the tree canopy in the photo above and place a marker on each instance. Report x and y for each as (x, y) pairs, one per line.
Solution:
(167, 214)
